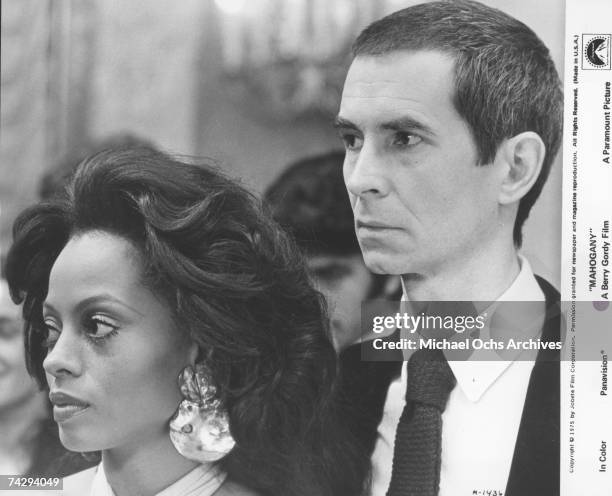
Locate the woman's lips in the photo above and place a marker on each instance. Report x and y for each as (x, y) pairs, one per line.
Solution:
(63, 413)
(66, 406)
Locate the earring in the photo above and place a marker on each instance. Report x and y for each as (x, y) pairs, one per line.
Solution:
(199, 429)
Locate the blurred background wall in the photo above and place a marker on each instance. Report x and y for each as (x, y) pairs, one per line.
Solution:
(253, 84)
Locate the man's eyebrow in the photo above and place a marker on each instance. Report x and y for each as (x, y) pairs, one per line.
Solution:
(341, 122)
(406, 123)
(399, 124)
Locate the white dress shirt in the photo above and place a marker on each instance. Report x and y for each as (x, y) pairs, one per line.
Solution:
(481, 420)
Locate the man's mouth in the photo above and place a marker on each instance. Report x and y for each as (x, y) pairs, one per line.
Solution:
(373, 225)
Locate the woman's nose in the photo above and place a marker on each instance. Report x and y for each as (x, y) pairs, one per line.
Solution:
(64, 357)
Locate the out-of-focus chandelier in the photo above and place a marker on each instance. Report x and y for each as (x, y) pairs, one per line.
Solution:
(291, 56)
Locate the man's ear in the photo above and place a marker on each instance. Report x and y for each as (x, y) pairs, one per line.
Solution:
(522, 157)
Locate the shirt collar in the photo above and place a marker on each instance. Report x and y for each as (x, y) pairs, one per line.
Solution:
(525, 287)
(476, 375)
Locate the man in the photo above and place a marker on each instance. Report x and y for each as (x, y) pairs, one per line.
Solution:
(309, 199)
(451, 116)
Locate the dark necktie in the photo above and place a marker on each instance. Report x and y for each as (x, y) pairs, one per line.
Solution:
(418, 439)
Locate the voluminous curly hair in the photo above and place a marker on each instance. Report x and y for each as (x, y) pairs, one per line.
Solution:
(235, 284)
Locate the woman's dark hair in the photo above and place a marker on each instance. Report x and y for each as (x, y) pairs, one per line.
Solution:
(236, 285)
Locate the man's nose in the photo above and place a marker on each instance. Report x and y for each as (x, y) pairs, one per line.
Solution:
(64, 358)
(365, 174)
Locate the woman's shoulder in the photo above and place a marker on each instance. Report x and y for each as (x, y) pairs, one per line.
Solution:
(79, 484)
(230, 488)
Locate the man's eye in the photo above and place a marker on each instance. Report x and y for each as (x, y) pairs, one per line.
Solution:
(351, 141)
(406, 139)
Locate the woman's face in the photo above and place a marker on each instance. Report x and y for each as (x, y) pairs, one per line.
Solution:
(114, 353)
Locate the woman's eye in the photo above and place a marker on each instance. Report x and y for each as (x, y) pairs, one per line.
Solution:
(53, 334)
(99, 328)
(406, 139)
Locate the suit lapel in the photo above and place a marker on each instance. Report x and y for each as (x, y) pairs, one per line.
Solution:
(535, 466)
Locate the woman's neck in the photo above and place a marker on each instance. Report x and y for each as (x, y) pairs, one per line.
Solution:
(145, 468)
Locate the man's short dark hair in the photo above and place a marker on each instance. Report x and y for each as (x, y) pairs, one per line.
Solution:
(310, 200)
(505, 80)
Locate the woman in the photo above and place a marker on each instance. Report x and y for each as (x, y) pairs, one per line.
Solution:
(152, 269)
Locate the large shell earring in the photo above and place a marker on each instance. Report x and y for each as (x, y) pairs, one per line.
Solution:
(199, 429)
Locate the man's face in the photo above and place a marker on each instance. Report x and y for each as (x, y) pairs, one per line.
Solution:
(345, 282)
(421, 202)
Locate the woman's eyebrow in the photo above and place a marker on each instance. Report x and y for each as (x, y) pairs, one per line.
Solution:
(99, 298)
(102, 297)
(48, 306)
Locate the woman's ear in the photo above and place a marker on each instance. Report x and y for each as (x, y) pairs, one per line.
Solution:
(522, 155)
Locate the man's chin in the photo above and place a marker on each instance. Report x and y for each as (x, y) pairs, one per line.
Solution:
(385, 263)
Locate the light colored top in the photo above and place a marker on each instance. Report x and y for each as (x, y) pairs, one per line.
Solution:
(481, 420)
(201, 481)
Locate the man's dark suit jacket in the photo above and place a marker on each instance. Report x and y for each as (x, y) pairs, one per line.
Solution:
(535, 464)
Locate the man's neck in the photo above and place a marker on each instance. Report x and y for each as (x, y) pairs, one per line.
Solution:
(483, 277)
(145, 469)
